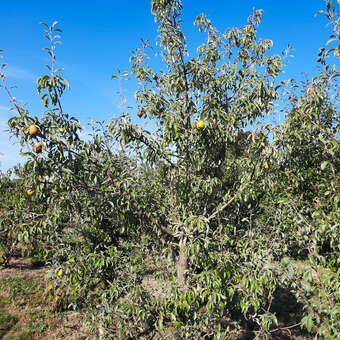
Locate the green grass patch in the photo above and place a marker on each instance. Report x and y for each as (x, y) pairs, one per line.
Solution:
(21, 292)
(7, 322)
(18, 286)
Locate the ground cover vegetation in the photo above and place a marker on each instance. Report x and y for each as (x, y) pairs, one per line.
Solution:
(216, 225)
(25, 309)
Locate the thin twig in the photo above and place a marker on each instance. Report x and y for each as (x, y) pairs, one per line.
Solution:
(283, 328)
(227, 203)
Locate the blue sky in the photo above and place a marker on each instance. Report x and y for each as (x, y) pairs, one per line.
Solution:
(98, 37)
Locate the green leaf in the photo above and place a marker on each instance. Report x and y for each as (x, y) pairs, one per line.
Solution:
(323, 165)
(309, 323)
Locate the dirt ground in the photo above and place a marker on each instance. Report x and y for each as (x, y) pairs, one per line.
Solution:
(25, 313)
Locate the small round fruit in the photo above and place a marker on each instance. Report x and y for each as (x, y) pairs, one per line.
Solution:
(200, 125)
(30, 192)
(140, 113)
(37, 148)
(33, 130)
(247, 74)
(266, 165)
(61, 130)
(310, 91)
(60, 272)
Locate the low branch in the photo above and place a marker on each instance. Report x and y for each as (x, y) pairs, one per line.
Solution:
(239, 191)
(283, 328)
(168, 231)
(227, 203)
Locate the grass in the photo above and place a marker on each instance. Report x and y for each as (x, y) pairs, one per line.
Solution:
(7, 321)
(16, 293)
(26, 313)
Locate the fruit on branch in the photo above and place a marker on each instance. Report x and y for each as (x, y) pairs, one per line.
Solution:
(30, 192)
(37, 148)
(200, 125)
(310, 91)
(61, 130)
(140, 113)
(266, 165)
(33, 130)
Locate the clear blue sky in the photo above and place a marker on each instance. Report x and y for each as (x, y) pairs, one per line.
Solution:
(98, 37)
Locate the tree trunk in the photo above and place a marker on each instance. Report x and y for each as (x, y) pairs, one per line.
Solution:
(182, 263)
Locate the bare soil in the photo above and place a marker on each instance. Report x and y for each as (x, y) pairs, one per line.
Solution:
(25, 313)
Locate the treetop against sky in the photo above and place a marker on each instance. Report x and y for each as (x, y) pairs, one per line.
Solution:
(98, 38)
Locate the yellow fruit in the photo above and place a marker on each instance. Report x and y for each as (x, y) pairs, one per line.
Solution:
(200, 125)
(61, 130)
(33, 130)
(37, 147)
(30, 192)
(60, 272)
(310, 91)
(266, 165)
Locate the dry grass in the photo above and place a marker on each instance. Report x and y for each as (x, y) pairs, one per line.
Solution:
(26, 313)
